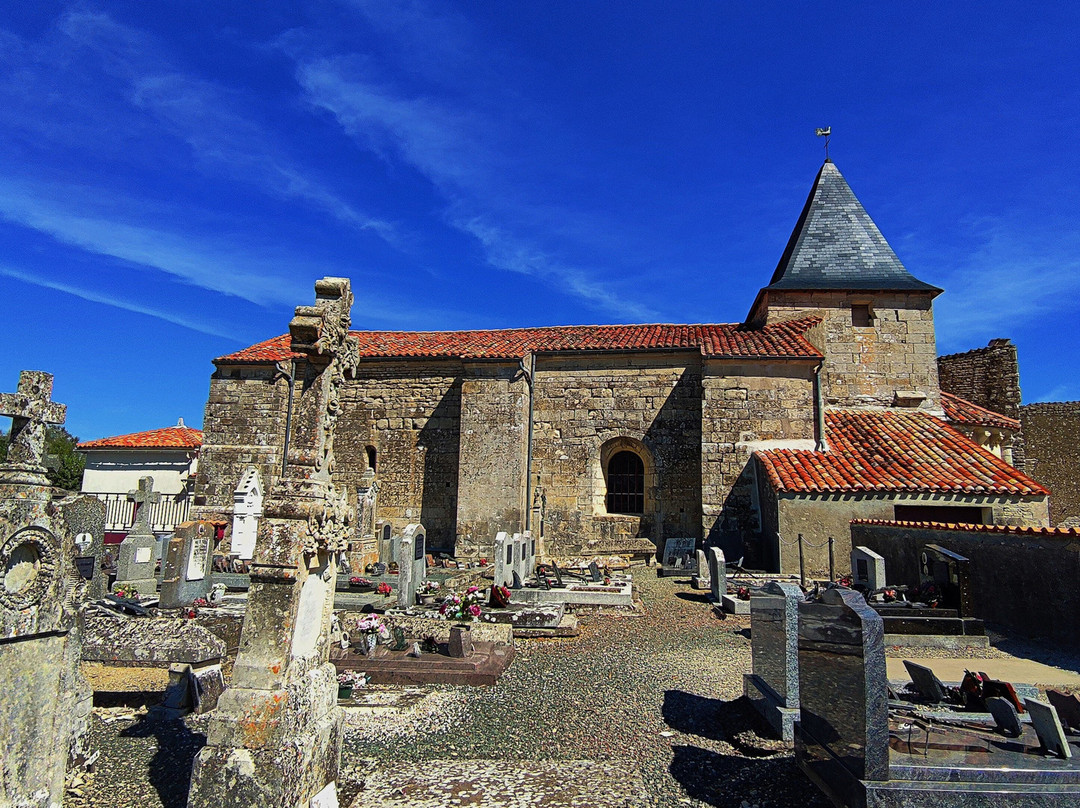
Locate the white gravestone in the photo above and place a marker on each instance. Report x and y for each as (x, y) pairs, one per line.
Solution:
(247, 511)
(530, 555)
(717, 574)
(412, 565)
(521, 556)
(196, 564)
(504, 559)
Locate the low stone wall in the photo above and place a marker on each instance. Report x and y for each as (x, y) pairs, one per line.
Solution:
(1026, 579)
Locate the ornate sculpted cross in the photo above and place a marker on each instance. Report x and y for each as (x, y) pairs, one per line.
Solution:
(143, 496)
(30, 410)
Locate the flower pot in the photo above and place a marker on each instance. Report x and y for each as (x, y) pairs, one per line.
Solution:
(428, 600)
(368, 643)
(344, 692)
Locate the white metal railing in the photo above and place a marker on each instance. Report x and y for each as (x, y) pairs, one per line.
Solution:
(164, 516)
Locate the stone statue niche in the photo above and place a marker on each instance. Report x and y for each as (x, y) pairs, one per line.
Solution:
(45, 704)
(247, 511)
(275, 738)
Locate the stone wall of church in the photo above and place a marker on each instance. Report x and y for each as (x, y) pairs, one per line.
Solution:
(989, 377)
(1051, 437)
(410, 412)
(747, 406)
(492, 455)
(243, 424)
(865, 366)
(586, 409)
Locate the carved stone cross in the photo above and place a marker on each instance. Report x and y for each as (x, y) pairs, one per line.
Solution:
(30, 410)
(143, 496)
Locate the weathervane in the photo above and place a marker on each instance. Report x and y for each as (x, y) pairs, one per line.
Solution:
(824, 132)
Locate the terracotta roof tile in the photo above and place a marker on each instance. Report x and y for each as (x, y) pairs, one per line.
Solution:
(171, 437)
(961, 411)
(1012, 530)
(779, 340)
(893, 451)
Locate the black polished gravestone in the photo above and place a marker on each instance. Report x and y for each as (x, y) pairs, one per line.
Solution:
(860, 755)
(951, 573)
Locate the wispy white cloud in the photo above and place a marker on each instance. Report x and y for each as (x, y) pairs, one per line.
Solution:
(1020, 272)
(111, 299)
(461, 152)
(1060, 392)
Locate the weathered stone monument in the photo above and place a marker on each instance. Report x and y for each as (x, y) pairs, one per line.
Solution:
(366, 547)
(275, 739)
(717, 575)
(45, 703)
(702, 579)
(186, 569)
(773, 687)
(412, 564)
(137, 558)
(85, 518)
(247, 511)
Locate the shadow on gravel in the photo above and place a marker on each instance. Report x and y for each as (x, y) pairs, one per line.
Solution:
(170, 767)
(735, 722)
(726, 781)
(693, 597)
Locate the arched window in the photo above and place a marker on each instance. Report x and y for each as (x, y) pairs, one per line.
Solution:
(625, 483)
(372, 456)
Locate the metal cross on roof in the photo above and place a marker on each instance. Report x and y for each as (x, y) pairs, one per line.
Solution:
(143, 496)
(30, 410)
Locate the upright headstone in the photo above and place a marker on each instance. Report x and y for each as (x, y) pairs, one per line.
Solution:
(247, 511)
(717, 574)
(504, 559)
(275, 738)
(951, 573)
(412, 566)
(530, 555)
(85, 518)
(521, 556)
(679, 558)
(867, 569)
(773, 687)
(137, 558)
(384, 532)
(186, 569)
(44, 702)
(1048, 728)
(703, 579)
(843, 731)
(367, 548)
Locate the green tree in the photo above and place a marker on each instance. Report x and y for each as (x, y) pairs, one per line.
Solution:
(63, 462)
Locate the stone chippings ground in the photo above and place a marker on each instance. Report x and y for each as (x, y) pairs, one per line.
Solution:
(640, 710)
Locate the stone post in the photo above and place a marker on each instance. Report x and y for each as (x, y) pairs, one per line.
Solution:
(275, 739)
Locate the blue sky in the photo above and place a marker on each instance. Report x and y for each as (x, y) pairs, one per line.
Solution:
(174, 176)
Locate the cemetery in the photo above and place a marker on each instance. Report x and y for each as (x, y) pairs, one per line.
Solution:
(570, 601)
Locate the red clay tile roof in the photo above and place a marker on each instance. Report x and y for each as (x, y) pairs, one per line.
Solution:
(1068, 533)
(779, 340)
(171, 437)
(893, 451)
(961, 411)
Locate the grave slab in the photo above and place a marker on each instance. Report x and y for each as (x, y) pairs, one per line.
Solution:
(773, 687)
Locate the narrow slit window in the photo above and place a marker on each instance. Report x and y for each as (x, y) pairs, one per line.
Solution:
(861, 316)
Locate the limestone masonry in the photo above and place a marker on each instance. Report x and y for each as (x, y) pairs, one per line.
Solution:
(610, 439)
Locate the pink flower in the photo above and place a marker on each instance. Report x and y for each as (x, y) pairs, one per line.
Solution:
(472, 589)
(474, 610)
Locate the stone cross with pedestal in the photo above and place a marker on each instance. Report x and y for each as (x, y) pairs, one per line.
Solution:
(275, 738)
(137, 560)
(44, 703)
(412, 564)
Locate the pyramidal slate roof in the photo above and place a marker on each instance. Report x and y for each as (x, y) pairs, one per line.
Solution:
(836, 245)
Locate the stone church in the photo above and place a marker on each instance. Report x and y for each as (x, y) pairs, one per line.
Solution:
(822, 406)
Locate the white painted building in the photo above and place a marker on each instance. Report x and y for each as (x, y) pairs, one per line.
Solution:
(114, 465)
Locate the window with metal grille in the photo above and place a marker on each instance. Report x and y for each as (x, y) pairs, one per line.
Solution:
(625, 484)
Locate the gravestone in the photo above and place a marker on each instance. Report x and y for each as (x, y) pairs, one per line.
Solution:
(186, 570)
(594, 573)
(702, 580)
(247, 511)
(1048, 727)
(384, 532)
(137, 559)
(504, 559)
(44, 702)
(521, 560)
(529, 564)
(85, 518)
(867, 569)
(951, 573)
(1067, 706)
(773, 687)
(367, 496)
(460, 645)
(843, 731)
(412, 566)
(1005, 716)
(275, 738)
(717, 575)
(679, 558)
(925, 682)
